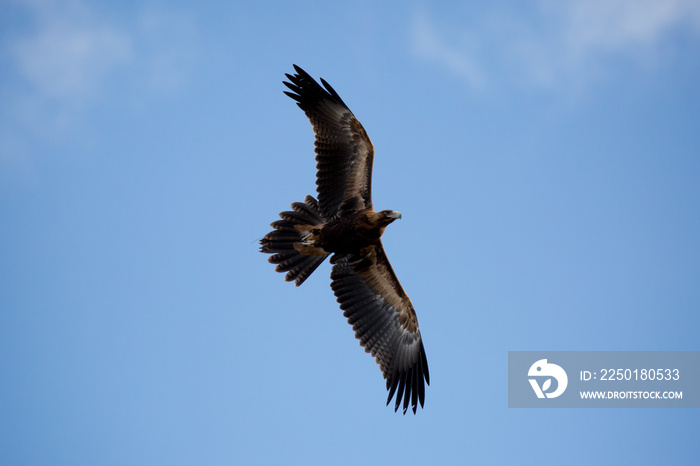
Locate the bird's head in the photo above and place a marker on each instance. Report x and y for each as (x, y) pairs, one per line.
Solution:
(389, 216)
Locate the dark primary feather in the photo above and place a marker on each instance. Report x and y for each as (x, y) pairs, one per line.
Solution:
(384, 321)
(344, 152)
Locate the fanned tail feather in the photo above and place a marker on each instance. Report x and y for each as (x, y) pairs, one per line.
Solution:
(291, 243)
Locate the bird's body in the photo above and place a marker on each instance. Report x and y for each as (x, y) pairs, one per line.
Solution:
(351, 233)
(344, 223)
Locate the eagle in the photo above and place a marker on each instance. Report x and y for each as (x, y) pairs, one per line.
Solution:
(343, 222)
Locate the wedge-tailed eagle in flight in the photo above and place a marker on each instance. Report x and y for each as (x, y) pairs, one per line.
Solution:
(343, 222)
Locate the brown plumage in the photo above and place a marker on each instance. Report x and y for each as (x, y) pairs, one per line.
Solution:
(343, 223)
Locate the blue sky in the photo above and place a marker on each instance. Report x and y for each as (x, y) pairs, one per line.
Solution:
(545, 157)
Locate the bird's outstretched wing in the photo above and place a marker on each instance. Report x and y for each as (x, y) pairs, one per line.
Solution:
(384, 321)
(344, 152)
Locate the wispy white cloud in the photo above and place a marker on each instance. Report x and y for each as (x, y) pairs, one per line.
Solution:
(457, 54)
(556, 44)
(66, 60)
(622, 24)
(70, 50)
(165, 41)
